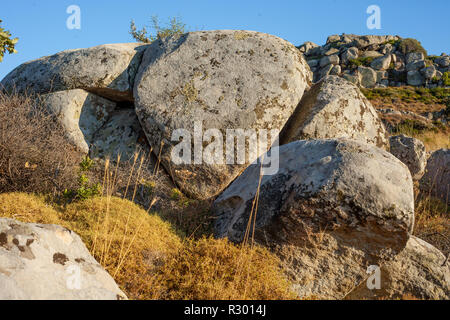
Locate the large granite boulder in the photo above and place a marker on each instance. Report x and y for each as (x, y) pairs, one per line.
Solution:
(49, 262)
(335, 108)
(436, 180)
(333, 208)
(411, 152)
(107, 70)
(80, 113)
(121, 135)
(219, 80)
(420, 271)
(367, 77)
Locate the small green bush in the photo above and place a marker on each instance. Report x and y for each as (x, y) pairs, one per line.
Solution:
(446, 78)
(409, 45)
(392, 42)
(174, 27)
(86, 164)
(85, 189)
(354, 63)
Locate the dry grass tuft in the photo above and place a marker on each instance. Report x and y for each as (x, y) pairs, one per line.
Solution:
(432, 223)
(125, 239)
(434, 140)
(27, 208)
(217, 269)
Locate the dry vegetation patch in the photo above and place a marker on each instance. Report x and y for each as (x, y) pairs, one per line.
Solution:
(151, 260)
(34, 154)
(432, 223)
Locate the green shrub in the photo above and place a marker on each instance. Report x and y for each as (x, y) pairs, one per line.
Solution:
(86, 164)
(6, 43)
(354, 63)
(85, 189)
(174, 27)
(392, 42)
(446, 78)
(409, 45)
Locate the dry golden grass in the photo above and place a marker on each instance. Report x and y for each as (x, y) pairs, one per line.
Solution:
(128, 247)
(407, 98)
(432, 223)
(216, 269)
(148, 259)
(27, 208)
(434, 140)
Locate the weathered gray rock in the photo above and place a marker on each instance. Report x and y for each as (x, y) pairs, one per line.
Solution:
(333, 208)
(307, 47)
(368, 40)
(415, 78)
(351, 78)
(333, 38)
(419, 271)
(336, 70)
(222, 80)
(367, 77)
(331, 51)
(107, 70)
(415, 65)
(443, 61)
(436, 180)
(335, 108)
(48, 262)
(387, 49)
(371, 54)
(414, 56)
(349, 54)
(429, 72)
(333, 59)
(411, 152)
(323, 72)
(382, 75)
(381, 63)
(121, 134)
(80, 113)
(313, 63)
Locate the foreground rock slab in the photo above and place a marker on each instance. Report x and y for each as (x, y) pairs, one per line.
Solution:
(411, 152)
(222, 80)
(420, 271)
(48, 262)
(335, 108)
(107, 70)
(334, 208)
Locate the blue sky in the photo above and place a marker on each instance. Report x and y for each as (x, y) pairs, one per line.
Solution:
(41, 24)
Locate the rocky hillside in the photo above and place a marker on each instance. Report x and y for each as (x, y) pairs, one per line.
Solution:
(377, 61)
(338, 197)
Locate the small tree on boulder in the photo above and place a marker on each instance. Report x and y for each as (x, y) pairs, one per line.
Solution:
(174, 27)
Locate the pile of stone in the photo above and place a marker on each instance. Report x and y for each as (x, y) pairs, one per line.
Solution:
(375, 61)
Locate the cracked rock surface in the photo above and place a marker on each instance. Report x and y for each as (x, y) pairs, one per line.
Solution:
(46, 262)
